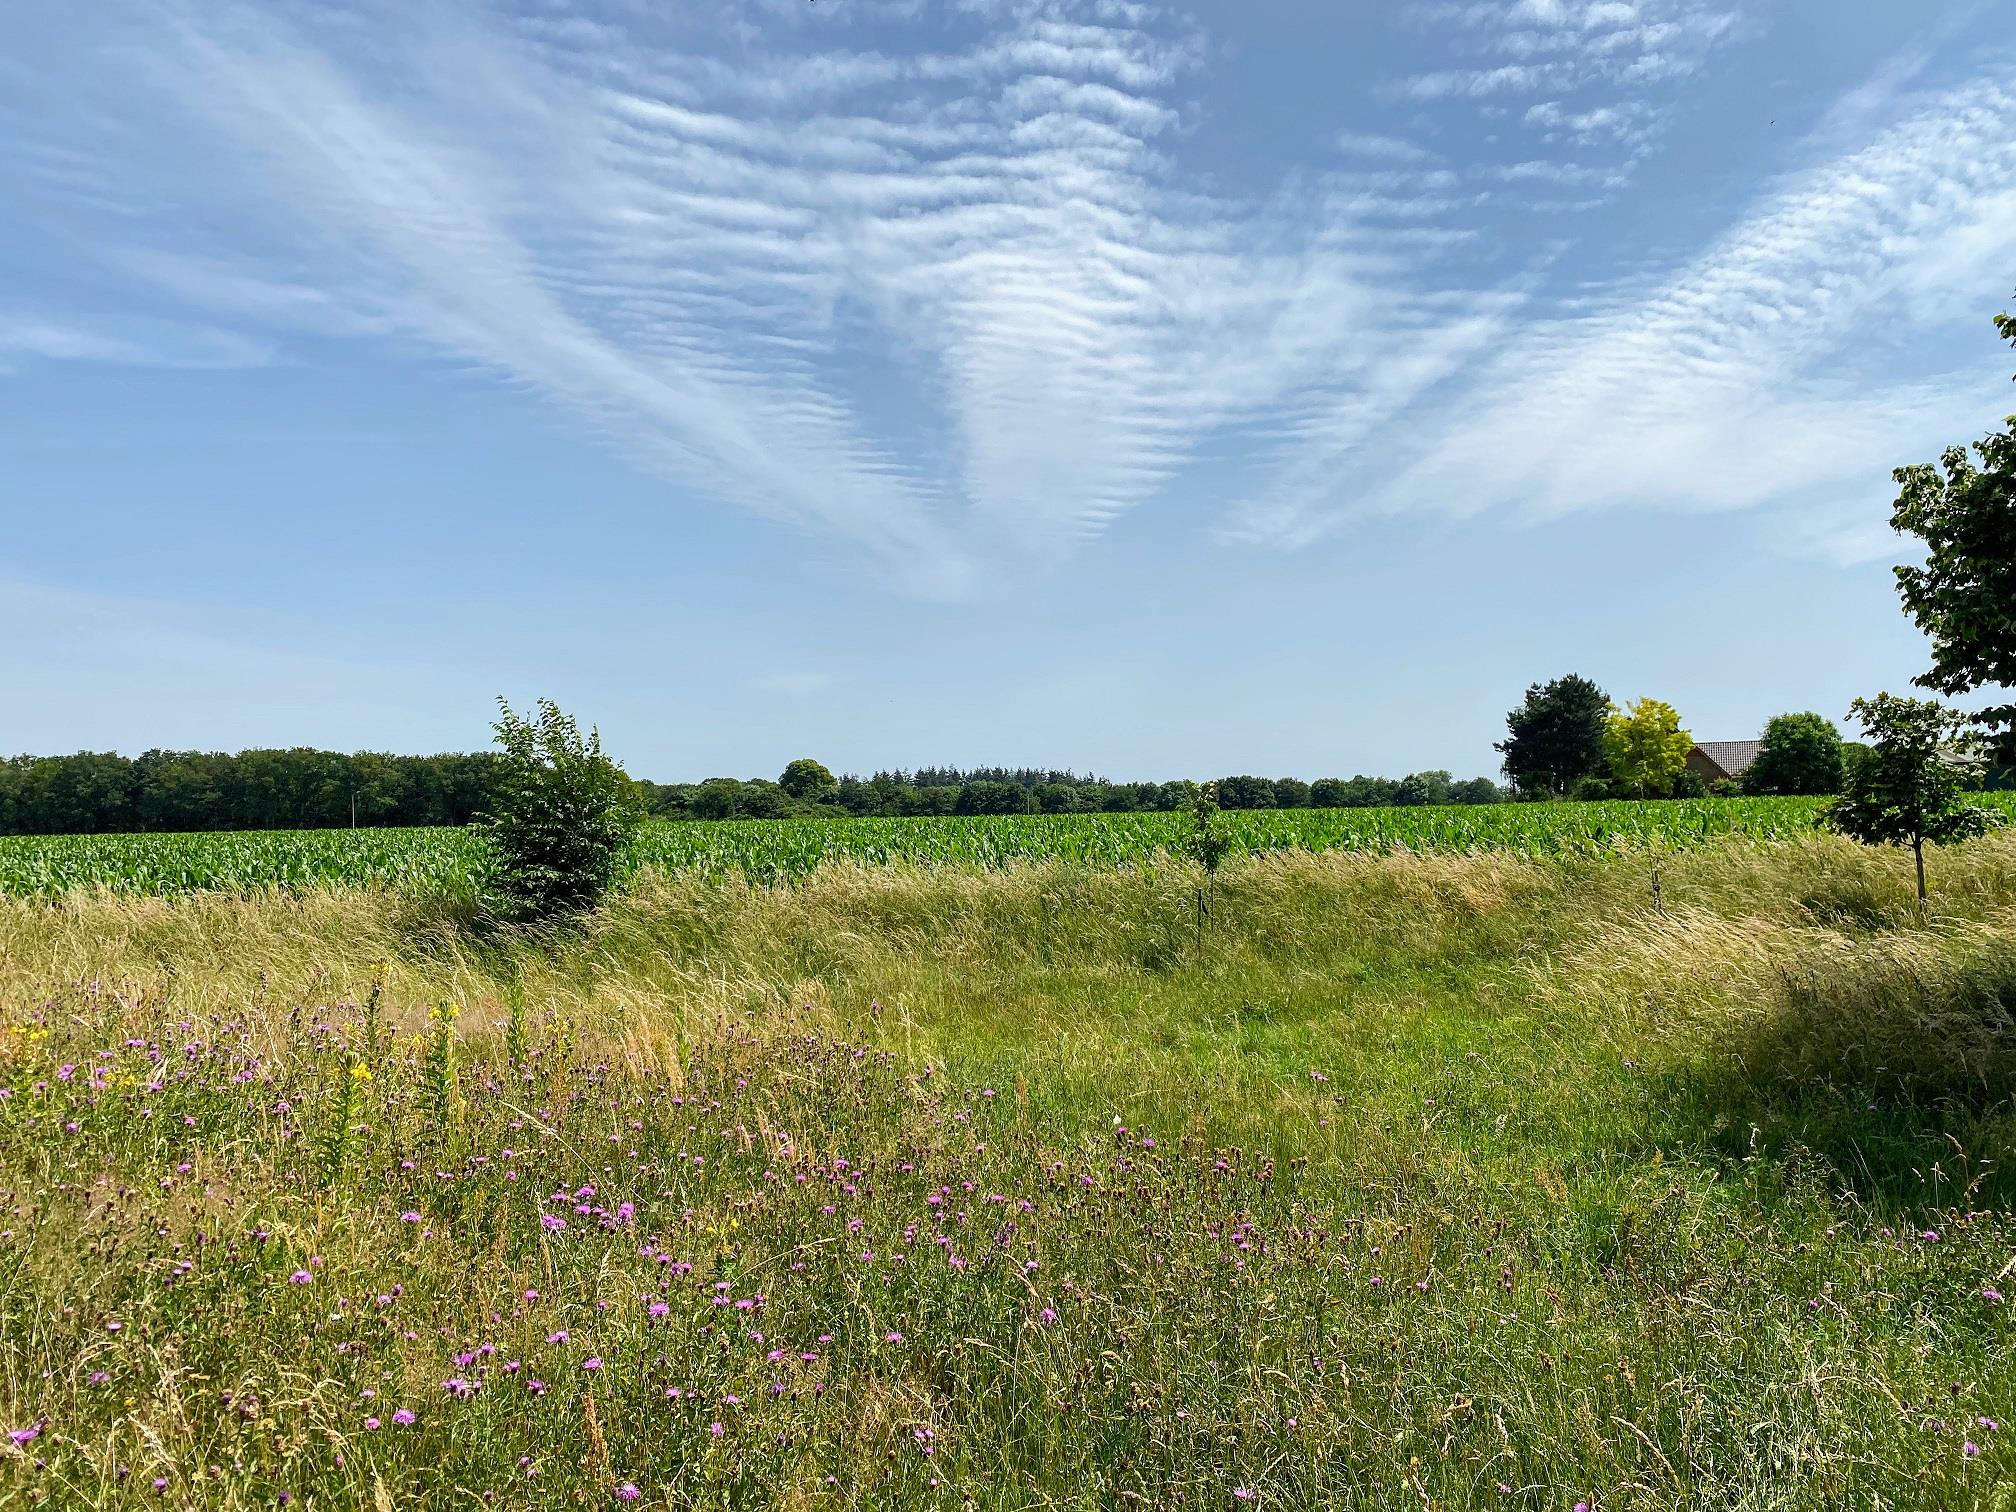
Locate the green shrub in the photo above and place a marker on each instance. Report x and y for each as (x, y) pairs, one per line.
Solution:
(561, 820)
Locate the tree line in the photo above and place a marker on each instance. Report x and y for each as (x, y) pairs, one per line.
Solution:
(103, 792)
(807, 787)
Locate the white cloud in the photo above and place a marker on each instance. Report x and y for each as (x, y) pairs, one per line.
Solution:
(963, 305)
(1735, 382)
(126, 341)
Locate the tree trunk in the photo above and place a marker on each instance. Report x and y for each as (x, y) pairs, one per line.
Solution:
(1918, 855)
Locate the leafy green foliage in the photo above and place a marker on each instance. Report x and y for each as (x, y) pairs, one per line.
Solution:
(561, 819)
(1206, 841)
(1555, 738)
(1907, 789)
(1645, 747)
(1800, 754)
(809, 781)
(102, 792)
(1964, 596)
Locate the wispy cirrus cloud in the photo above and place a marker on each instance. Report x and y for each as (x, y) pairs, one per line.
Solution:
(126, 341)
(962, 300)
(702, 254)
(1608, 72)
(1736, 380)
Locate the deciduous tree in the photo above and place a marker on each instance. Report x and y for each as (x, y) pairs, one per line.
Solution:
(1964, 596)
(1646, 748)
(1907, 787)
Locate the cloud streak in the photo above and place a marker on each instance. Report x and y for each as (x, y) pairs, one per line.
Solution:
(963, 301)
(1738, 380)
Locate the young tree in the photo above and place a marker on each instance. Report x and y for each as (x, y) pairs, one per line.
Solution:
(1206, 843)
(1646, 748)
(1964, 596)
(561, 816)
(1555, 738)
(1906, 788)
(809, 781)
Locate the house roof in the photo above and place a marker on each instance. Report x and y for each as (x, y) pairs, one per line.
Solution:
(1731, 756)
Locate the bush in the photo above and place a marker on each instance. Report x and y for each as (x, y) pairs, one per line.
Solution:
(560, 821)
(1590, 790)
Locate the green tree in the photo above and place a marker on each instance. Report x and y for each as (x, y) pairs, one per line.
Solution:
(1646, 748)
(809, 781)
(1207, 842)
(1244, 792)
(1906, 788)
(1058, 798)
(1555, 738)
(1291, 792)
(1418, 788)
(1800, 754)
(1475, 790)
(560, 819)
(1964, 596)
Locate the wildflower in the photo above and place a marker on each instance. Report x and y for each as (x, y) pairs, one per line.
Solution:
(716, 1429)
(300, 1278)
(409, 1216)
(1970, 1450)
(1243, 1493)
(627, 1492)
(1989, 1294)
(25, 1436)
(593, 1362)
(894, 1337)
(403, 1417)
(372, 1425)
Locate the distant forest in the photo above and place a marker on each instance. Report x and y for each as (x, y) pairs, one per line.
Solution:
(106, 793)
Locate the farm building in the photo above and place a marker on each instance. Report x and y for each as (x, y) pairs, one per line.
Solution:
(1717, 760)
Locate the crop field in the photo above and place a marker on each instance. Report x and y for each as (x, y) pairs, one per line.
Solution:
(1452, 1181)
(445, 861)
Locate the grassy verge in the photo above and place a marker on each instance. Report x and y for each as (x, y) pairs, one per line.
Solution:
(1414, 1180)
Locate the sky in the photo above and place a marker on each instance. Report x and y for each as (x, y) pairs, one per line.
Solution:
(1148, 389)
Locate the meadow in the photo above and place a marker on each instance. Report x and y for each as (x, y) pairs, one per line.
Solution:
(1446, 1179)
(445, 861)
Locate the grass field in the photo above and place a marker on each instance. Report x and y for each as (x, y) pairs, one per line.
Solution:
(445, 861)
(1414, 1180)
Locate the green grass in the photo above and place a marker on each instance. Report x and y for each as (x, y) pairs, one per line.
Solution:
(1414, 1177)
(445, 861)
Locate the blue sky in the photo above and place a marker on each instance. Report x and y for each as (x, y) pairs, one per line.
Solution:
(1152, 389)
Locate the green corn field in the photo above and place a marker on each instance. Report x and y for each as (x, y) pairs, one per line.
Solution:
(447, 861)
